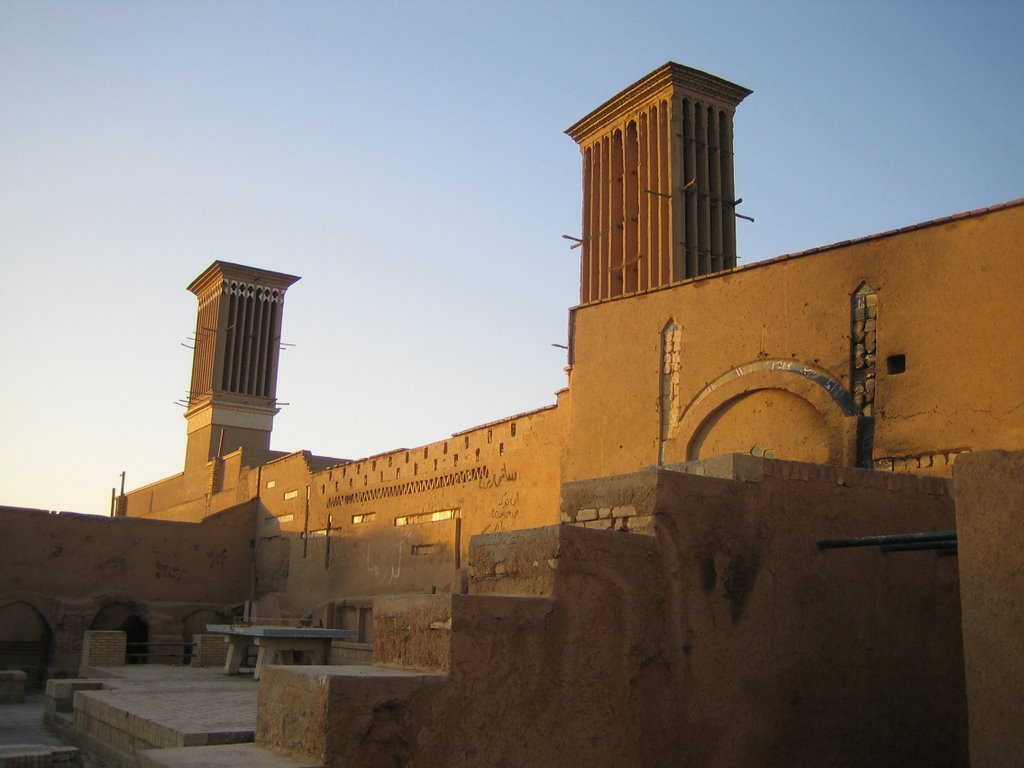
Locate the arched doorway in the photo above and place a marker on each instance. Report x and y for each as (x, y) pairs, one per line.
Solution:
(25, 641)
(127, 618)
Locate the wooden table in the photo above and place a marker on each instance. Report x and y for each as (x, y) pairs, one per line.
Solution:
(277, 645)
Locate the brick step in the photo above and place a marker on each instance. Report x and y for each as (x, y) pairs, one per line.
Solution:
(315, 713)
(39, 756)
(123, 722)
(222, 756)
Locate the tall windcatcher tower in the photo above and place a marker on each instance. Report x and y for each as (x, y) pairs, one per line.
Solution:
(658, 192)
(233, 397)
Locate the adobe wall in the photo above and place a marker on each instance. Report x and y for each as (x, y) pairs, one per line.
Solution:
(762, 356)
(771, 651)
(532, 681)
(759, 362)
(193, 496)
(725, 639)
(750, 646)
(67, 567)
(795, 656)
(402, 521)
(990, 539)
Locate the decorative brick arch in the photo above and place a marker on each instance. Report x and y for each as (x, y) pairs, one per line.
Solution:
(816, 375)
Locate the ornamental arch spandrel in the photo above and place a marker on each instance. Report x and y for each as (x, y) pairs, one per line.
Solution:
(789, 408)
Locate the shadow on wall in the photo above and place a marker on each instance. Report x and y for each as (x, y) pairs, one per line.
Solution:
(296, 574)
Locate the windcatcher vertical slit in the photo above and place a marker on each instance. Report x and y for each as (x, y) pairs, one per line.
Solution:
(234, 366)
(658, 191)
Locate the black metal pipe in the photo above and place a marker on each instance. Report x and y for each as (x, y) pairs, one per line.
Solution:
(162, 645)
(893, 539)
(919, 545)
(155, 655)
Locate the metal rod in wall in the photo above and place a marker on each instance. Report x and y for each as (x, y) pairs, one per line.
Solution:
(930, 537)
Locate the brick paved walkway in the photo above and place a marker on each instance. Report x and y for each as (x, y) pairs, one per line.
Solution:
(22, 732)
(204, 705)
(188, 708)
(174, 706)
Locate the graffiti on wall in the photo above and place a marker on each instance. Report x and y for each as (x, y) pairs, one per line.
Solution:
(386, 567)
(505, 511)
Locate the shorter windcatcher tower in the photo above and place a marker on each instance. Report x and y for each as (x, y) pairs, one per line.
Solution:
(232, 400)
(658, 192)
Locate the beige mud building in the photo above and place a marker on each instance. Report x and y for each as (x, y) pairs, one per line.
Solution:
(631, 574)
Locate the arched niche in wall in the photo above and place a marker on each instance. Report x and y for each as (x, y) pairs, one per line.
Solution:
(785, 408)
(26, 640)
(125, 615)
(770, 422)
(195, 624)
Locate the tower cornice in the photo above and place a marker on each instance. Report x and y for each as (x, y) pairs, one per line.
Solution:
(219, 271)
(628, 101)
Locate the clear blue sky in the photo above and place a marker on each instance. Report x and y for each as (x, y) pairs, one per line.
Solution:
(407, 160)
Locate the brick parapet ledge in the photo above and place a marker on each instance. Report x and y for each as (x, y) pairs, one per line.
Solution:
(745, 468)
(629, 502)
(60, 694)
(852, 476)
(104, 649)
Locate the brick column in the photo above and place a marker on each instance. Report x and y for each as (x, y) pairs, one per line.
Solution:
(104, 649)
(209, 650)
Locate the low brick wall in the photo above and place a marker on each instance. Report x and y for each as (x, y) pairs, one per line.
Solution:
(345, 652)
(104, 649)
(39, 756)
(12, 685)
(209, 650)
